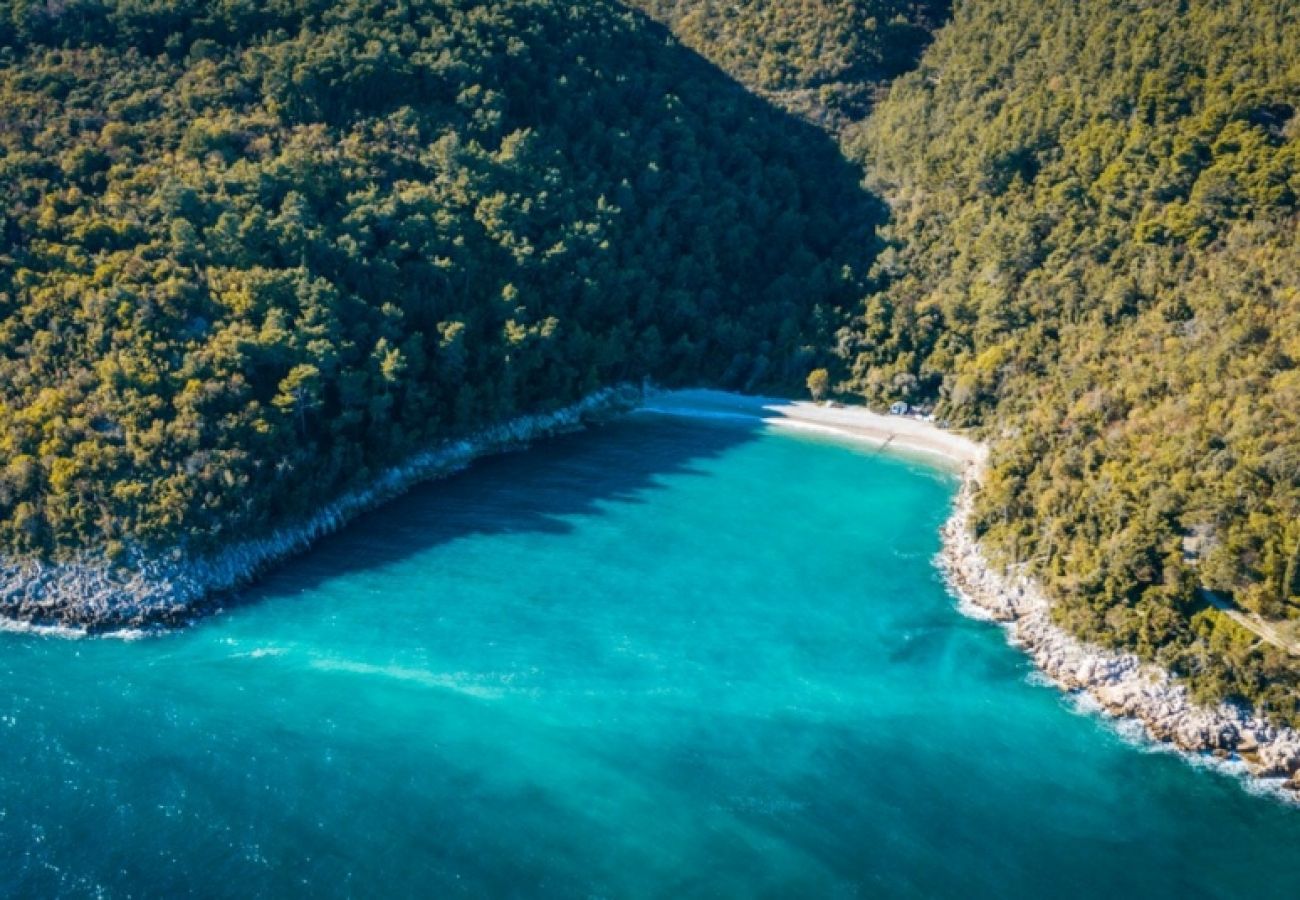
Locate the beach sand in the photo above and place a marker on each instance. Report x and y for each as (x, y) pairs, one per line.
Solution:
(906, 433)
(886, 431)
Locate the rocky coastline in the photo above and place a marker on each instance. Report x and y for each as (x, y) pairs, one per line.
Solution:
(90, 595)
(1120, 684)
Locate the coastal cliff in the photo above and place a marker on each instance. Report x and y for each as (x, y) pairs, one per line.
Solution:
(1122, 685)
(93, 595)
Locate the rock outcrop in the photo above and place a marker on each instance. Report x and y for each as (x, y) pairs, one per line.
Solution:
(1120, 683)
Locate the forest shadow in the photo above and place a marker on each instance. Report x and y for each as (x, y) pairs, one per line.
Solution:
(758, 228)
(852, 213)
(719, 148)
(541, 489)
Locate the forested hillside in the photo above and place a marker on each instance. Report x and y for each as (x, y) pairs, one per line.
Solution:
(822, 59)
(250, 252)
(1095, 259)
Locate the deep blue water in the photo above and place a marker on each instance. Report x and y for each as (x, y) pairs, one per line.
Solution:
(672, 657)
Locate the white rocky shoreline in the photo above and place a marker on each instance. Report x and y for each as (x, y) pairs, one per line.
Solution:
(1120, 684)
(92, 596)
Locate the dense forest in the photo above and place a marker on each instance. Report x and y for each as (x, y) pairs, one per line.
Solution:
(1094, 258)
(824, 60)
(252, 251)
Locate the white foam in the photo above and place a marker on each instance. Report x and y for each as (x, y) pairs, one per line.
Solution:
(65, 632)
(459, 682)
(1038, 678)
(129, 634)
(71, 632)
(260, 653)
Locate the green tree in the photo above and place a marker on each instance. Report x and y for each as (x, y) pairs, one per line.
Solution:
(818, 383)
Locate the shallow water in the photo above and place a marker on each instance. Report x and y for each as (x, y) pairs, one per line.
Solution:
(677, 656)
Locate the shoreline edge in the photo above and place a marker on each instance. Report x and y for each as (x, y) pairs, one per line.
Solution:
(1119, 685)
(91, 596)
(86, 596)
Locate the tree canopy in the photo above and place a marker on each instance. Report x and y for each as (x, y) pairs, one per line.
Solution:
(1095, 260)
(252, 252)
(822, 59)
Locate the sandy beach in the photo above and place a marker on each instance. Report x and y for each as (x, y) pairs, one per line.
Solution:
(906, 433)
(886, 431)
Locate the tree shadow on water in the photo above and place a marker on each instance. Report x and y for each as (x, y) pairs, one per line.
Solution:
(539, 490)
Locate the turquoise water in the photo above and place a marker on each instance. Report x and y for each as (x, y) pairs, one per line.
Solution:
(672, 657)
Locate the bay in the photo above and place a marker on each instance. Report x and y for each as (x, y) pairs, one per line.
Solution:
(679, 655)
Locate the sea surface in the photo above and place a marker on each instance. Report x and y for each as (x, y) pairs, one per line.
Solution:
(677, 656)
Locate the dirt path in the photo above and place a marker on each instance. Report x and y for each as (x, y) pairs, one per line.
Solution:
(1266, 631)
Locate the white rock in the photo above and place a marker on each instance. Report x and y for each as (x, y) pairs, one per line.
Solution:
(1120, 682)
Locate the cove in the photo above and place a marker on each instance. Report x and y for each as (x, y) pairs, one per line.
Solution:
(679, 655)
